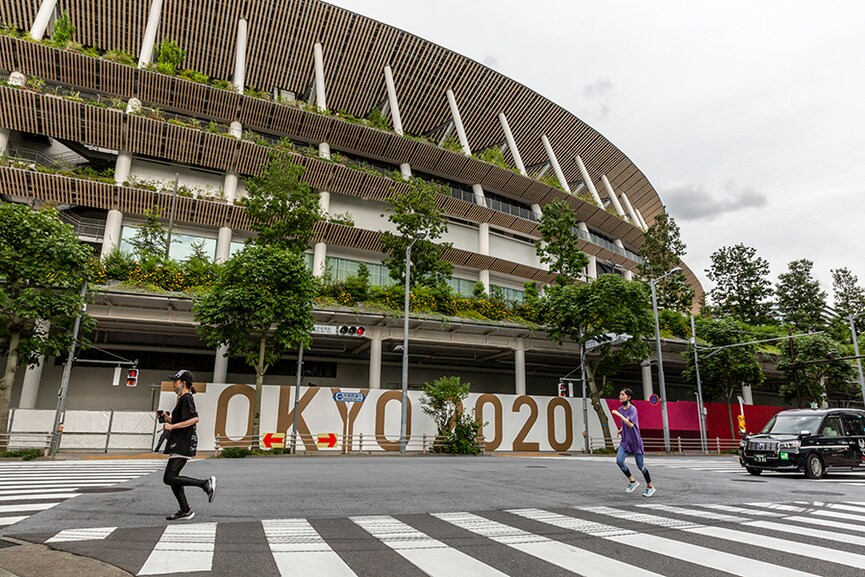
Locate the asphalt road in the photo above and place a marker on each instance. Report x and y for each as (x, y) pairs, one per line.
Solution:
(543, 504)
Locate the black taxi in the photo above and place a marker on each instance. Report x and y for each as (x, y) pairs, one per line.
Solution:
(812, 441)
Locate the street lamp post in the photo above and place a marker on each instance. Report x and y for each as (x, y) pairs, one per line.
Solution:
(402, 426)
(856, 352)
(702, 422)
(661, 384)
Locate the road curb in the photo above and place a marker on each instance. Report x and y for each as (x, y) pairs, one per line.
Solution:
(33, 560)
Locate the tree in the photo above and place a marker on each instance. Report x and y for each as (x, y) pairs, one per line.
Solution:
(849, 297)
(151, 240)
(413, 211)
(800, 300)
(63, 30)
(741, 288)
(814, 371)
(559, 246)
(724, 371)
(261, 307)
(662, 251)
(456, 432)
(42, 268)
(282, 208)
(609, 304)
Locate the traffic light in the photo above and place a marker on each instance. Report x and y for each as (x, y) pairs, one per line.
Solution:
(563, 389)
(351, 331)
(132, 378)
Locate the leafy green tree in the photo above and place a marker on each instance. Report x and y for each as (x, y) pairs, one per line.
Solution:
(559, 247)
(261, 307)
(413, 211)
(456, 432)
(169, 57)
(151, 240)
(724, 371)
(662, 251)
(63, 30)
(800, 300)
(283, 209)
(610, 304)
(814, 371)
(42, 268)
(741, 288)
(849, 297)
(199, 268)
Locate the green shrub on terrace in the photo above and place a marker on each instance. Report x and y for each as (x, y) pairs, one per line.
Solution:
(256, 93)
(169, 57)
(451, 143)
(9, 30)
(34, 84)
(120, 57)
(379, 120)
(195, 76)
(550, 179)
(495, 156)
(222, 84)
(63, 30)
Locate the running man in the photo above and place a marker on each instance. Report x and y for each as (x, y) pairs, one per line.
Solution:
(632, 443)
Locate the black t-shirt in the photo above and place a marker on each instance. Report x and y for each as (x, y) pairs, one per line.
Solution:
(183, 441)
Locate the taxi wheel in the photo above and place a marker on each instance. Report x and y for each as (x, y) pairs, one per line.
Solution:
(814, 468)
(753, 471)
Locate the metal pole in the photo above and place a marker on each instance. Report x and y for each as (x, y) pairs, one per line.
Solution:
(856, 351)
(402, 431)
(703, 440)
(661, 383)
(60, 414)
(585, 401)
(296, 398)
(171, 216)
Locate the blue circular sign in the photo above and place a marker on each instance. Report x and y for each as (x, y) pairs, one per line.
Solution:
(654, 400)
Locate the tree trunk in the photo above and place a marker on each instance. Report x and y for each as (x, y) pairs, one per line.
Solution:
(730, 414)
(259, 383)
(595, 396)
(6, 385)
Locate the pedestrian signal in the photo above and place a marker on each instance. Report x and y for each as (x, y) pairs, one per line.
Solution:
(351, 331)
(563, 389)
(132, 378)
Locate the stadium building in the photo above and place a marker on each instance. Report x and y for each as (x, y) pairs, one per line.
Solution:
(304, 76)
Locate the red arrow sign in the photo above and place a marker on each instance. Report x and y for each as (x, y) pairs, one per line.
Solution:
(328, 440)
(271, 439)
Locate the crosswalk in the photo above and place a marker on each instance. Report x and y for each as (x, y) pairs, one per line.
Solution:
(27, 488)
(789, 539)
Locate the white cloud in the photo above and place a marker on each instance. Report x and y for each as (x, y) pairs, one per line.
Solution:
(689, 201)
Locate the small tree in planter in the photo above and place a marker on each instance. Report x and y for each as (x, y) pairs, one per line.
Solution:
(456, 432)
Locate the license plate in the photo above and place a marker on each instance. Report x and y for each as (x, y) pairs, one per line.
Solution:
(760, 458)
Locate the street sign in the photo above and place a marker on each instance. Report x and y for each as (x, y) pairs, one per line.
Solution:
(273, 440)
(326, 440)
(654, 400)
(344, 397)
(324, 329)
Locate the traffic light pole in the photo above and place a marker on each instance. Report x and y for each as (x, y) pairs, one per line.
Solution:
(60, 414)
(296, 399)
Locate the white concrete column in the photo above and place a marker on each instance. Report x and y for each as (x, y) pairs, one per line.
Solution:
(113, 228)
(627, 275)
(145, 56)
(480, 197)
(324, 200)
(458, 122)
(320, 97)
(592, 267)
(520, 367)
(30, 386)
(235, 129)
(319, 259)
(613, 198)
(375, 360)
(43, 18)
(646, 369)
(643, 222)
(512, 144)
(229, 186)
(240, 57)
(592, 190)
(747, 394)
(554, 162)
(634, 220)
(5, 134)
(484, 279)
(324, 150)
(484, 238)
(392, 100)
(405, 169)
(220, 365)
(536, 210)
(223, 245)
(122, 167)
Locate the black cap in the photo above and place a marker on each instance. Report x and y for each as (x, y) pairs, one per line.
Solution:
(182, 375)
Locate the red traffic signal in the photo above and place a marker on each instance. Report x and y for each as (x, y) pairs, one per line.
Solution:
(132, 378)
(563, 389)
(351, 331)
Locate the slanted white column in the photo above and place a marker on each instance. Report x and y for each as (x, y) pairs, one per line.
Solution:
(320, 97)
(223, 245)
(554, 162)
(113, 227)
(5, 133)
(43, 18)
(643, 222)
(391, 98)
(536, 210)
(480, 197)
(458, 122)
(220, 365)
(634, 220)
(520, 367)
(149, 41)
(512, 144)
(592, 190)
(122, 167)
(592, 266)
(646, 369)
(747, 394)
(626, 274)
(240, 57)
(374, 359)
(613, 198)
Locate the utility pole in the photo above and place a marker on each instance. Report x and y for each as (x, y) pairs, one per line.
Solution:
(60, 414)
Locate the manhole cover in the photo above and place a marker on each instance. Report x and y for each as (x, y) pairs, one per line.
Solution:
(817, 493)
(104, 489)
(749, 481)
(4, 543)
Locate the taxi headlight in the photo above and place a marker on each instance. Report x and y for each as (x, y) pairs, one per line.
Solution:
(790, 444)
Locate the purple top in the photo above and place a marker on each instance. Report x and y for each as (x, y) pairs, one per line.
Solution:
(631, 440)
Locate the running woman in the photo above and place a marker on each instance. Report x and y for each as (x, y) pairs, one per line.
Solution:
(632, 443)
(182, 443)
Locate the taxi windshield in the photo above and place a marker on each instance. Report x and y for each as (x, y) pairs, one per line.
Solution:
(792, 424)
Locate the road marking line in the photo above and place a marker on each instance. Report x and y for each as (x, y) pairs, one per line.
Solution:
(182, 548)
(298, 550)
(92, 534)
(754, 512)
(11, 520)
(27, 507)
(797, 530)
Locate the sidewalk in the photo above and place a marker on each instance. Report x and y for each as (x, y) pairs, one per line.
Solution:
(28, 560)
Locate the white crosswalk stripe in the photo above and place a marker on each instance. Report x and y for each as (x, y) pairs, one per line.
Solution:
(781, 540)
(27, 488)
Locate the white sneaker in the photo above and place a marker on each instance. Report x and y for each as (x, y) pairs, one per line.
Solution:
(632, 487)
(649, 492)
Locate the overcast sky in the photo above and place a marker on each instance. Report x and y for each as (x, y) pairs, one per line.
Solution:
(747, 117)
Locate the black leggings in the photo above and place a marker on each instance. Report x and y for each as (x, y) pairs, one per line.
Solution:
(173, 479)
